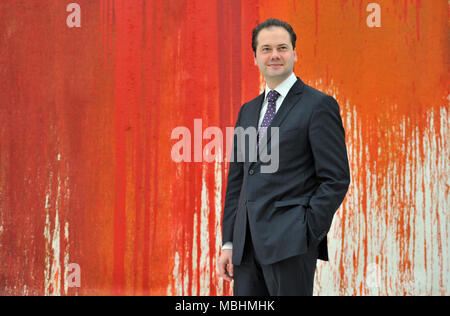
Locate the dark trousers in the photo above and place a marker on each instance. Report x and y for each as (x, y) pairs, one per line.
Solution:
(292, 276)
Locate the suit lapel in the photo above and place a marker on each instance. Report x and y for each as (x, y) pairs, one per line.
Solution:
(292, 98)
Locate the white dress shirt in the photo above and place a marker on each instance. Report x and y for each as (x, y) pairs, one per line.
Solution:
(283, 89)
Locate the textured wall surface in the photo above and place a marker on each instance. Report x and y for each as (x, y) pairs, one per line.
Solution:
(86, 116)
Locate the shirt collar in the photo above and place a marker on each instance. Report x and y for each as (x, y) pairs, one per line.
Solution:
(284, 87)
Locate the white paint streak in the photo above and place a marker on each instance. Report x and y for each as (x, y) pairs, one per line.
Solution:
(47, 200)
(218, 216)
(53, 268)
(204, 239)
(176, 276)
(194, 257)
(66, 258)
(55, 274)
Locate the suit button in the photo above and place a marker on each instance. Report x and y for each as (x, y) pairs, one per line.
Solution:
(251, 171)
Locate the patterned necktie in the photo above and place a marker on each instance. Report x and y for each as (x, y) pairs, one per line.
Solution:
(272, 97)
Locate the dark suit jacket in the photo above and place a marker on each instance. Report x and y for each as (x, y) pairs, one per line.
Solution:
(291, 209)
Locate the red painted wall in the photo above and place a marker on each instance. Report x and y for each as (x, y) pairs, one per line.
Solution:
(86, 116)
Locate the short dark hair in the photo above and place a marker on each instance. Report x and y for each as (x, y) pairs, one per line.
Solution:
(269, 23)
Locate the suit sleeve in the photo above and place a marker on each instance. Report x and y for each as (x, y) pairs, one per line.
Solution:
(327, 139)
(234, 184)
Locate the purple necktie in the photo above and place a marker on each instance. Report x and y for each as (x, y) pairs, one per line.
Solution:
(272, 97)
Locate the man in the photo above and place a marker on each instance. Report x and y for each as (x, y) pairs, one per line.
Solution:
(275, 224)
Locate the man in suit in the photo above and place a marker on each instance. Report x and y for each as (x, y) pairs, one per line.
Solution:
(275, 223)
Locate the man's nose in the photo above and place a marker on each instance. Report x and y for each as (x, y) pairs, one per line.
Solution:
(275, 54)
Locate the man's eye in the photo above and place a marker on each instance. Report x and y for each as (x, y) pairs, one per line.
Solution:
(266, 49)
(283, 48)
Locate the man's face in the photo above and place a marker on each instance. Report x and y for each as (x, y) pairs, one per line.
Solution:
(275, 56)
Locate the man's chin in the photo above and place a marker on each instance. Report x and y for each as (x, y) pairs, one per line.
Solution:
(277, 75)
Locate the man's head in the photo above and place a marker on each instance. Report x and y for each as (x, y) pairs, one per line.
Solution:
(273, 43)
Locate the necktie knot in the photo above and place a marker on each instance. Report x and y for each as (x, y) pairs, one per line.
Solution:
(272, 96)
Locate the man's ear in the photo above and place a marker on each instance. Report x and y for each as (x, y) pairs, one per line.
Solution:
(256, 64)
(295, 56)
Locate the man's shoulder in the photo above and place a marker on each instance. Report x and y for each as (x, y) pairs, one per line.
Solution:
(320, 100)
(316, 93)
